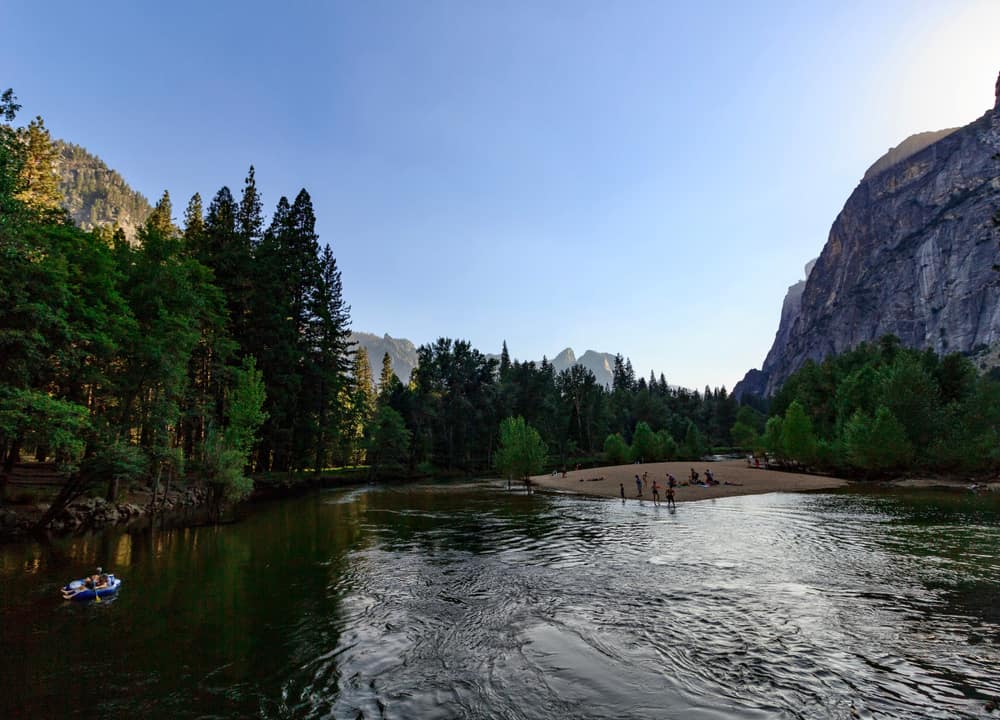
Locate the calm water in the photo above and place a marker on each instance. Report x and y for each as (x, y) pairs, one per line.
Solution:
(464, 601)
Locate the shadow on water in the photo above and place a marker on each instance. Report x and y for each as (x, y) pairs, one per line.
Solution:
(446, 600)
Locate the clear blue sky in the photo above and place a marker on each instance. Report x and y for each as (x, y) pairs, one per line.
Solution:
(636, 177)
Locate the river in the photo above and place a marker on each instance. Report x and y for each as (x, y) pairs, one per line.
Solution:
(461, 600)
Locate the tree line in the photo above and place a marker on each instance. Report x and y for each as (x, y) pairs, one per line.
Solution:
(457, 398)
(883, 409)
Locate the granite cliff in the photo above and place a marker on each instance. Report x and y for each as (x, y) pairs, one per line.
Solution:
(403, 357)
(95, 195)
(402, 354)
(911, 254)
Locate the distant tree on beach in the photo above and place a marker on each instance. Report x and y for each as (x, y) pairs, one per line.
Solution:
(521, 451)
(616, 450)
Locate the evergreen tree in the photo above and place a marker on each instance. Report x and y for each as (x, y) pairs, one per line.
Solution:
(504, 361)
(39, 182)
(363, 401)
(194, 225)
(249, 215)
(388, 383)
(329, 335)
(160, 220)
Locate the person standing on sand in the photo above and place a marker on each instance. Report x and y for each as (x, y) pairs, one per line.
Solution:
(621, 486)
(638, 486)
(656, 492)
(645, 482)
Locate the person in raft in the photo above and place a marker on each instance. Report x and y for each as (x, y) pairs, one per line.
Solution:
(709, 477)
(638, 486)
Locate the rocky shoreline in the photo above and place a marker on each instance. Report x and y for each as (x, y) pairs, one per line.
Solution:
(18, 521)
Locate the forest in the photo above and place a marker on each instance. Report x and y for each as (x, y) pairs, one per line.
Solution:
(216, 350)
(882, 409)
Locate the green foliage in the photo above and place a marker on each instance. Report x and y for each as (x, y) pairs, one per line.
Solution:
(694, 445)
(117, 460)
(616, 450)
(39, 186)
(37, 419)
(521, 452)
(798, 437)
(877, 444)
(666, 446)
(744, 436)
(774, 439)
(882, 408)
(246, 407)
(644, 445)
(387, 442)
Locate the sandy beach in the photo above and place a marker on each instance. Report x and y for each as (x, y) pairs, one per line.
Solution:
(604, 481)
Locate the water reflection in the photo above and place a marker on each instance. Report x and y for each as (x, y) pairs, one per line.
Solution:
(463, 600)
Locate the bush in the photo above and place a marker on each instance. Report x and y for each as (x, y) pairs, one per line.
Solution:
(616, 449)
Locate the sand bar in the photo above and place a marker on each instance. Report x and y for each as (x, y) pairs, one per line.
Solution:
(604, 481)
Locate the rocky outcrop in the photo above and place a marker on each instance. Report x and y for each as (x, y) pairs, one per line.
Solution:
(403, 357)
(402, 354)
(95, 195)
(601, 364)
(911, 254)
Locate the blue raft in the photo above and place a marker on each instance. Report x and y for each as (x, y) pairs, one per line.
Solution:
(85, 589)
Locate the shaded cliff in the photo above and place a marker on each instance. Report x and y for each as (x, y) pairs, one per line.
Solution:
(911, 254)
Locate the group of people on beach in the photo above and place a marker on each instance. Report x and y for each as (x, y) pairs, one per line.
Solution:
(709, 480)
(642, 482)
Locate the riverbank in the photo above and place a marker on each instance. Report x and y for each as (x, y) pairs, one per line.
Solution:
(136, 507)
(734, 478)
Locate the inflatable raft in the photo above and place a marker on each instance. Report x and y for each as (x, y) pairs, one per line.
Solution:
(88, 589)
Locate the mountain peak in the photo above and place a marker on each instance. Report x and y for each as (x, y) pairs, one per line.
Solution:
(566, 357)
(996, 103)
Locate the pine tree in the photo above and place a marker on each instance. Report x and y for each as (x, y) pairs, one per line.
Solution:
(330, 340)
(363, 402)
(249, 215)
(39, 181)
(194, 225)
(385, 379)
(229, 255)
(504, 361)
(160, 220)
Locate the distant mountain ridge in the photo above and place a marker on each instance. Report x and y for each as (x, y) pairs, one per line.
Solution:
(95, 195)
(403, 357)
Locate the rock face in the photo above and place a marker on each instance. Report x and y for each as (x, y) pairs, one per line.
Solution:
(601, 364)
(95, 195)
(402, 354)
(911, 254)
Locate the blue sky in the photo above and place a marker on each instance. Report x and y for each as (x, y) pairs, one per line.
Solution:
(637, 177)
